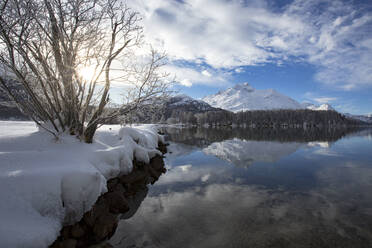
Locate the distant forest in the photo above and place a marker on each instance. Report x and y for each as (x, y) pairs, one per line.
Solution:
(264, 118)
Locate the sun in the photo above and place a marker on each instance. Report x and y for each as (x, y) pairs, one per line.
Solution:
(87, 72)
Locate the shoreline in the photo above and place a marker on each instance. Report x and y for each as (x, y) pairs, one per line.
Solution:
(100, 223)
(51, 183)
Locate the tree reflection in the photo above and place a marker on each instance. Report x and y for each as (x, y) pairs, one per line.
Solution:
(202, 137)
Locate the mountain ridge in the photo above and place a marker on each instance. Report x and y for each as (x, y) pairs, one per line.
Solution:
(243, 97)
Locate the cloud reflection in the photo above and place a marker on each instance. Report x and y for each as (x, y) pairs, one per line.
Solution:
(225, 215)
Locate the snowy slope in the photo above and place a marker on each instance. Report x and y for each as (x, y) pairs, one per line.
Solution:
(243, 97)
(45, 183)
(323, 107)
(365, 118)
(183, 100)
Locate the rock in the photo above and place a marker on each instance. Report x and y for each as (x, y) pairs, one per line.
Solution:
(154, 173)
(99, 209)
(135, 176)
(162, 147)
(89, 218)
(102, 245)
(65, 232)
(124, 196)
(56, 244)
(119, 188)
(157, 162)
(138, 164)
(116, 202)
(77, 231)
(105, 226)
(112, 183)
(68, 243)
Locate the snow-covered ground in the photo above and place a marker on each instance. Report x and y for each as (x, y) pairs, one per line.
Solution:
(46, 182)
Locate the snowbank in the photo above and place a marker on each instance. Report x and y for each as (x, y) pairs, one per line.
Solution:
(46, 183)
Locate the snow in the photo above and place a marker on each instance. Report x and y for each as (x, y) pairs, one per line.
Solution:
(322, 107)
(45, 183)
(365, 118)
(324, 144)
(182, 99)
(243, 97)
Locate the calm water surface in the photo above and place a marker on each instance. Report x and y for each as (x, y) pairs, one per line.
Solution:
(257, 188)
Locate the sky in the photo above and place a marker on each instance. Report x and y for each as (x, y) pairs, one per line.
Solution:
(317, 51)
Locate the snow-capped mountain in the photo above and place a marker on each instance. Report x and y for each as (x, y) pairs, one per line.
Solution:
(365, 118)
(243, 97)
(183, 103)
(323, 107)
(185, 100)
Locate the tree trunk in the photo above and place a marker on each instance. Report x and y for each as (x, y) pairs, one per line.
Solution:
(89, 133)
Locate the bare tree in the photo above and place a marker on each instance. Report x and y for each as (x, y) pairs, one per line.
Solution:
(45, 45)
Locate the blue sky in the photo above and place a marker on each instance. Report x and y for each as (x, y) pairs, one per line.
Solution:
(316, 51)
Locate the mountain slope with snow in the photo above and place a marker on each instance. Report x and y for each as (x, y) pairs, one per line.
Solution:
(364, 118)
(323, 107)
(183, 103)
(183, 100)
(243, 97)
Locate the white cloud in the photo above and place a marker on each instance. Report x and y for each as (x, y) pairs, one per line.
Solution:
(239, 70)
(322, 100)
(217, 31)
(186, 82)
(332, 35)
(315, 98)
(187, 76)
(206, 73)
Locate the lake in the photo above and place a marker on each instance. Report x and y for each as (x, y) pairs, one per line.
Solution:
(257, 188)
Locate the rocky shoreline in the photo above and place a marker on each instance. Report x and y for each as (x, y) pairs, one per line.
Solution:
(100, 223)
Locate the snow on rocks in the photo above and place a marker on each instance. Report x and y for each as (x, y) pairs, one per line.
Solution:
(46, 183)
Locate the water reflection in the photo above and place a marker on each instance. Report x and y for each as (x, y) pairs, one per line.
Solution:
(244, 153)
(310, 192)
(201, 137)
(244, 216)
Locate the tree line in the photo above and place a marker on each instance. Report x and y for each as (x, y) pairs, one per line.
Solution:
(265, 118)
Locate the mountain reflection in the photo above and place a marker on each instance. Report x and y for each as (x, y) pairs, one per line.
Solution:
(309, 190)
(244, 147)
(243, 153)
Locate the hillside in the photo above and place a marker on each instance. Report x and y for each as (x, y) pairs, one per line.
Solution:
(243, 97)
